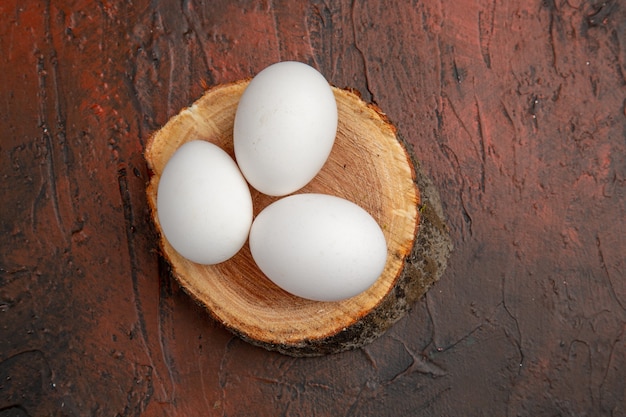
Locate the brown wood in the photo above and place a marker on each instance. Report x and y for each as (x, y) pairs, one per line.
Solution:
(368, 166)
(515, 109)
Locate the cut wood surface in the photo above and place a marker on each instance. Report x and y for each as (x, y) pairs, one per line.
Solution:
(514, 109)
(368, 166)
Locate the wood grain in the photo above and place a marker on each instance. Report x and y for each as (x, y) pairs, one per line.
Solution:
(368, 166)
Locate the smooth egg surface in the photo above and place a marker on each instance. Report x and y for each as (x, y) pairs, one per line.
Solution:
(285, 127)
(204, 205)
(318, 246)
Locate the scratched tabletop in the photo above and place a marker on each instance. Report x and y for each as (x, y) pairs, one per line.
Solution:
(514, 109)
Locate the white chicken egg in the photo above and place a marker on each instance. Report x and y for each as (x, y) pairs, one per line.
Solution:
(204, 205)
(285, 127)
(318, 246)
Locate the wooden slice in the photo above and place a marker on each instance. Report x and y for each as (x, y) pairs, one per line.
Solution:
(368, 166)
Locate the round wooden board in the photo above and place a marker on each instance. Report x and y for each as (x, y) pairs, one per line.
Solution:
(368, 166)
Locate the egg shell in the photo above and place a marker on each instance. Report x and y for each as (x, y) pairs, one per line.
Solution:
(285, 127)
(318, 246)
(204, 205)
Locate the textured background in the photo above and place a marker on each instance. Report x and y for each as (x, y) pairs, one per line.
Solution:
(516, 110)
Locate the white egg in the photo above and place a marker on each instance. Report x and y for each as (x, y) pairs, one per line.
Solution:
(204, 205)
(285, 127)
(318, 246)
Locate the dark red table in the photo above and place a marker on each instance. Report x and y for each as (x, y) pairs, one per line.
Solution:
(515, 109)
